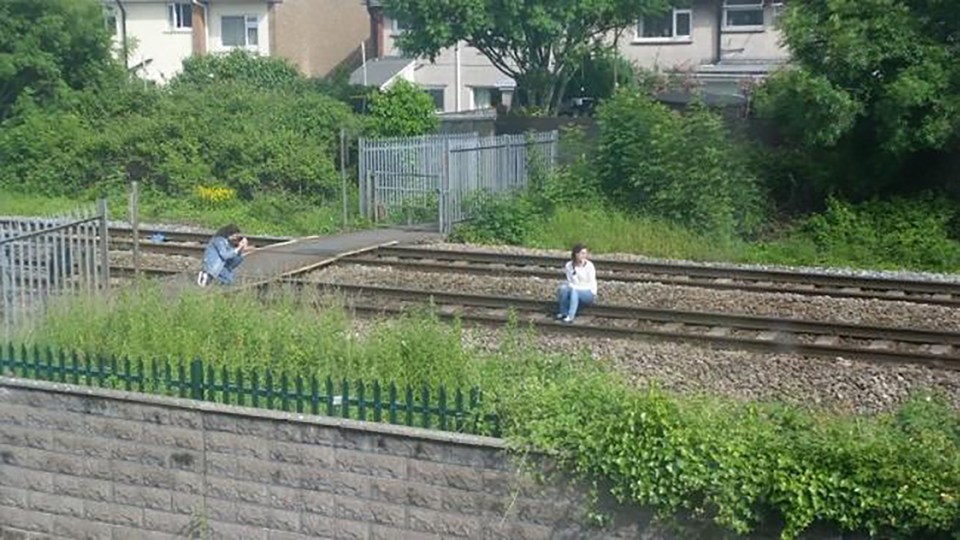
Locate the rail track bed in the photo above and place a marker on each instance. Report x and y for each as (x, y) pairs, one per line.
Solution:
(763, 334)
(749, 280)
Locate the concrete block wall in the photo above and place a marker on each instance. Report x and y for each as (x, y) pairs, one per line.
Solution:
(80, 462)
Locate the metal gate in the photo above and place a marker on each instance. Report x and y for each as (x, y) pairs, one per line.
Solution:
(412, 179)
(44, 257)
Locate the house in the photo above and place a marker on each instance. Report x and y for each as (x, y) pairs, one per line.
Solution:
(460, 79)
(720, 43)
(316, 35)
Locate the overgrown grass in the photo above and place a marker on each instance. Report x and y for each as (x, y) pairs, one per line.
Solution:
(844, 236)
(295, 333)
(269, 214)
(742, 465)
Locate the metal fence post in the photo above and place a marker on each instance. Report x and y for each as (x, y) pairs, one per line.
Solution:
(196, 379)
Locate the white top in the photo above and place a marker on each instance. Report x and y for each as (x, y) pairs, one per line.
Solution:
(581, 277)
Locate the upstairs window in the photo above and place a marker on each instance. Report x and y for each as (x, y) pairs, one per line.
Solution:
(743, 14)
(240, 31)
(180, 15)
(675, 24)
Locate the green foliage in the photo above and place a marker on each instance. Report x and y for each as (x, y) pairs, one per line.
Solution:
(404, 110)
(174, 140)
(503, 218)
(807, 108)
(683, 169)
(599, 75)
(895, 233)
(241, 67)
(875, 94)
(545, 39)
(51, 47)
(746, 465)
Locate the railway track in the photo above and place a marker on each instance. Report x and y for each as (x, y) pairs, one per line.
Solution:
(751, 280)
(763, 334)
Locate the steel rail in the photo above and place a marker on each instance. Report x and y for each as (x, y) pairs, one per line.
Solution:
(766, 334)
(808, 284)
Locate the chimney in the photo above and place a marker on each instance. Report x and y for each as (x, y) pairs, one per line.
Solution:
(376, 27)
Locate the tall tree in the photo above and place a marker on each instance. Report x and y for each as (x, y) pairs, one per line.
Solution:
(538, 43)
(48, 46)
(876, 82)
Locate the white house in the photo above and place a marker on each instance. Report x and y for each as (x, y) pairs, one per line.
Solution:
(460, 79)
(163, 33)
(720, 43)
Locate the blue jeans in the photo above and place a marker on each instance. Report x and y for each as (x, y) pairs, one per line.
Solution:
(228, 275)
(570, 299)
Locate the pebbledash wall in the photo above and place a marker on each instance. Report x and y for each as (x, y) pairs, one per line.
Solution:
(78, 462)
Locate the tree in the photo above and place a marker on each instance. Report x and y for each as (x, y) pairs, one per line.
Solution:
(402, 111)
(876, 84)
(538, 43)
(49, 46)
(242, 67)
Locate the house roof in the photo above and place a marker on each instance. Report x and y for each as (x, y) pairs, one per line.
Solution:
(381, 71)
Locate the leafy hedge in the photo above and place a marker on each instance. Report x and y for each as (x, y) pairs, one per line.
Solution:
(228, 134)
(749, 465)
(682, 168)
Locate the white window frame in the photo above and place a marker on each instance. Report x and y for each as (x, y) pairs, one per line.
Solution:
(777, 9)
(395, 27)
(473, 97)
(249, 22)
(443, 95)
(110, 15)
(175, 16)
(757, 5)
(676, 12)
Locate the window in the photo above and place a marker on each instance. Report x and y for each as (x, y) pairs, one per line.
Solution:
(239, 31)
(110, 18)
(675, 24)
(436, 94)
(740, 14)
(398, 27)
(777, 10)
(486, 97)
(180, 15)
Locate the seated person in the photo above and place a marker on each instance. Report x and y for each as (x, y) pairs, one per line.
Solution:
(581, 285)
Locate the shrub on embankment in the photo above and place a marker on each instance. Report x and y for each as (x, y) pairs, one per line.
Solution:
(743, 465)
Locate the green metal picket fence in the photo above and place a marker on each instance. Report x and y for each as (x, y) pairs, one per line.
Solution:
(422, 406)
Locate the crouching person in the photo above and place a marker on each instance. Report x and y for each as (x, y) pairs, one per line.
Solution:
(580, 287)
(222, 256)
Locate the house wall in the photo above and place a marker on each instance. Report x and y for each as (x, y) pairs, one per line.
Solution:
(751, 45)
(166, 49)
(475, 71)
(320, 35)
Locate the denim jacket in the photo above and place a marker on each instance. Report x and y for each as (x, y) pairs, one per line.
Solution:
(218, 253)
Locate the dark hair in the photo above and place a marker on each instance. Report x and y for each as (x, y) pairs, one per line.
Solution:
(227, 231)
(577, 248)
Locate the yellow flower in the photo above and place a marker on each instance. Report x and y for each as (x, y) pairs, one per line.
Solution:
(215, 195)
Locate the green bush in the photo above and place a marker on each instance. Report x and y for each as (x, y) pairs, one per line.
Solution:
(748, 465)
(504, 218)
(174, 140)
(895, 233)
(682, 168)
(244, 68)
(402, 111)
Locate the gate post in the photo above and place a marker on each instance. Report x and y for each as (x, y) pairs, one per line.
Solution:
(104, 247)
(443, 207)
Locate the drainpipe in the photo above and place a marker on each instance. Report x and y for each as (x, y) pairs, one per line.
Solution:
(123, 34)
(718, 41)
(457, 82)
